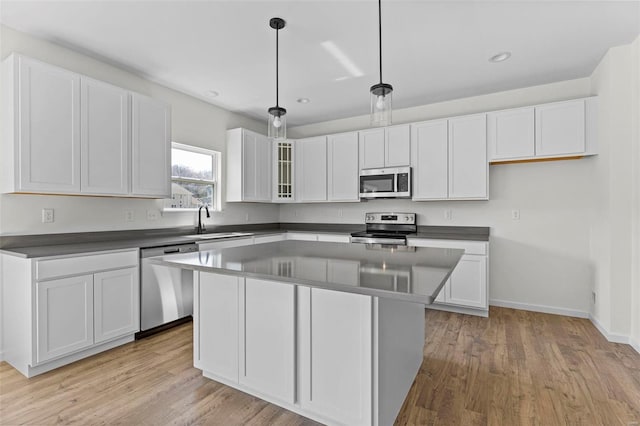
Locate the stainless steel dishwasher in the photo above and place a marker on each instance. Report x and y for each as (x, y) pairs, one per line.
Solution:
(166, 293)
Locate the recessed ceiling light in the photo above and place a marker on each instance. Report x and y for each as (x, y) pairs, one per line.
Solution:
(303, 100)
(502, 56)
(212, 93)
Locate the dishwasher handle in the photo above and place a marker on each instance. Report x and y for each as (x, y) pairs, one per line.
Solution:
(163, 250)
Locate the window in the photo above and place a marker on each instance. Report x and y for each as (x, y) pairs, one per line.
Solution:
(194, 177)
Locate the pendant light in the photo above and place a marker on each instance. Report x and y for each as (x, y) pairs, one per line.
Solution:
(277, 118)
(381, 93)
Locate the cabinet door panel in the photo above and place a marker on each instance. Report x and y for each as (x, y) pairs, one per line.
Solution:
(311, 155)
(560, 128)
(468, 283)
(49, 120)
(336, 355)
(151, 139)
(218, 316)
(468, 165)
(510, 134)
(398, 146)
(429, 153)
(105, 138)
(116, 296)
(263, 169)
(372, 149)
(64, 316)
(249, 166)
(343, 170)
(267, 348)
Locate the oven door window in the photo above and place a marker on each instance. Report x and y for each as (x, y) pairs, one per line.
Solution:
(377, 183)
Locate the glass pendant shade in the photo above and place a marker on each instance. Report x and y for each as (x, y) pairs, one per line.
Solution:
(381, 104)
(277, 127)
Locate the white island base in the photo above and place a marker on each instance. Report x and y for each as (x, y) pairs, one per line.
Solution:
(334, 357)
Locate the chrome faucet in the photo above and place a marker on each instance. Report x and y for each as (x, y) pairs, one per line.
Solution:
(200, 229)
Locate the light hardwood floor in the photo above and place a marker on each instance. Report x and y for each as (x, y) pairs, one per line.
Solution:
(514, 368)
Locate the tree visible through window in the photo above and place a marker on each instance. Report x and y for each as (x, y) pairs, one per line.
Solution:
(194, 173)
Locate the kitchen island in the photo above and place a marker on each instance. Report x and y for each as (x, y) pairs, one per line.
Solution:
(331, 331)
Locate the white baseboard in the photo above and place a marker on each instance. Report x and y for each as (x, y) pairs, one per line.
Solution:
(539, 308)
(1, 356)
(612, 337)
(635, 344)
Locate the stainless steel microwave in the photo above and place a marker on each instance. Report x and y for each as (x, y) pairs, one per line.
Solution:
(385, 183)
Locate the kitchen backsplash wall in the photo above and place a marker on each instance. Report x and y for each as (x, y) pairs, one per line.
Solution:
(193, 123)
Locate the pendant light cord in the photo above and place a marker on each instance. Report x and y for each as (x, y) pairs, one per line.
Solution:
(277, 70)
(380, 35)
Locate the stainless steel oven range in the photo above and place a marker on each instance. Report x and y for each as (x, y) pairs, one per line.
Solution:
(386, 229)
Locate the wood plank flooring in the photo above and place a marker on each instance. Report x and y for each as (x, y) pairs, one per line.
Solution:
(513, 368)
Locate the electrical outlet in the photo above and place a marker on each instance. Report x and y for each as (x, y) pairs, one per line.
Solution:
(448, 214)
(515, 214)
(128, 216)
(246, 217)
(153, 215)
(47, 216)
(340, 213)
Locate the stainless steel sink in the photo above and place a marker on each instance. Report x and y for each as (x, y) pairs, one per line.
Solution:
(219, 235)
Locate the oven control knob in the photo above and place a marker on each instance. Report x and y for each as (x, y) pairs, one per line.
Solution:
(407, 218)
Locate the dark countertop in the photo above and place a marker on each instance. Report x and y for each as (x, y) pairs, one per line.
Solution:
(468, 233)
(413, 275)
(35, 246)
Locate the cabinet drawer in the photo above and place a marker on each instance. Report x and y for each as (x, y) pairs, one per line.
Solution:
(334, 238)
(268, 238)
(46, 269)
(302, 236)
(470, 247)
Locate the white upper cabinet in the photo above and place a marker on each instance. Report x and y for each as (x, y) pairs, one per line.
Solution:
(429, 160)
(449, 159)
(385, 147)
(248, 166)
(560, 128)
(342, 167)
(468, 166)
(105, 147)
(151, 140)
(42, 135)
(555, 130)
(398, 144)
(284, 188)
(510, 133)
(372, 149)
(69, 134)
(311, 160)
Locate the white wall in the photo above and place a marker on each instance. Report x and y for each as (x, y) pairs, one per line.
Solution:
(615, 228)
(635, 295)
(193, 122)
(543, 259)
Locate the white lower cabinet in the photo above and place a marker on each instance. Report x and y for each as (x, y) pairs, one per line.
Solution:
(467, 285)
(116, 303)
(216, 351)
(64, 316)
(79, 305)
(267, 343)
(466, 290)
(336, 355)
(338, 358)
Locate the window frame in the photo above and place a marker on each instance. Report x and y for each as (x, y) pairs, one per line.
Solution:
(216, 160)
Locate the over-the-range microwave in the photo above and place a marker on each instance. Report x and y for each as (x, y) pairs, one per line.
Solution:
(385, 183)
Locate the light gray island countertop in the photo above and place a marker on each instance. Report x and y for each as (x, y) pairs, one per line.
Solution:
(412, 274)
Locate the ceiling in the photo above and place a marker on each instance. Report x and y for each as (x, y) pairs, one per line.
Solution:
(432, 50)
